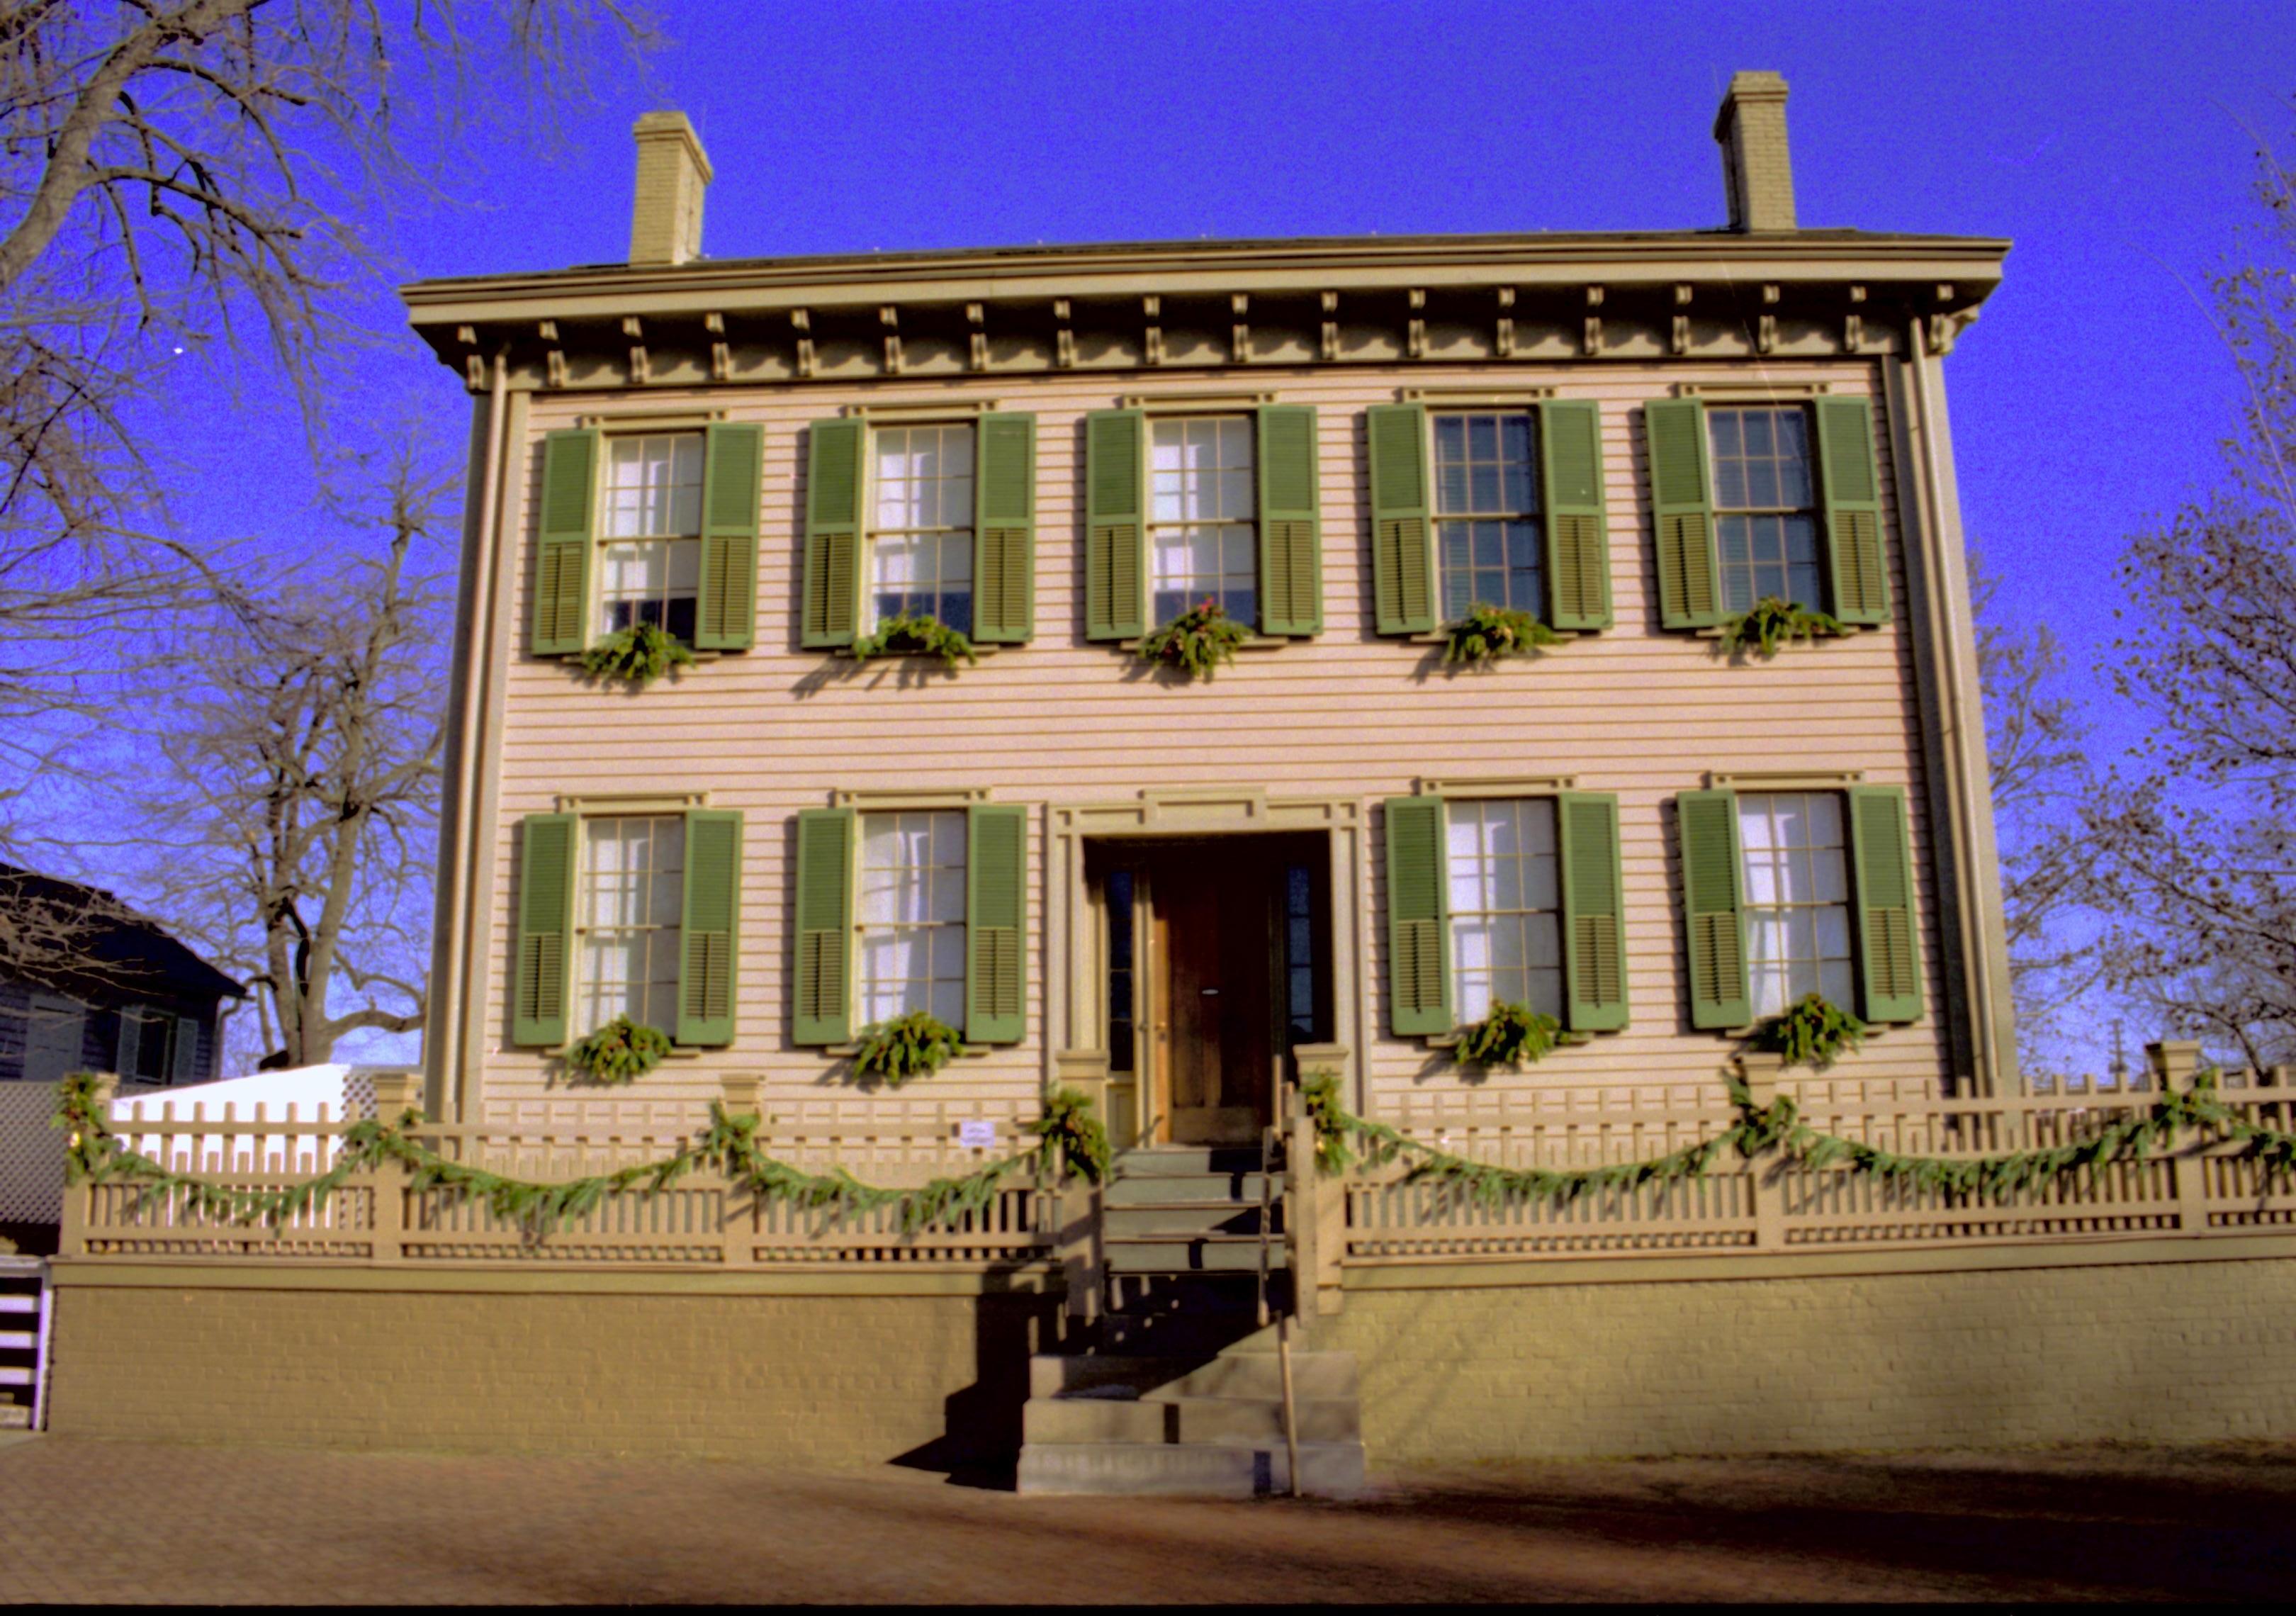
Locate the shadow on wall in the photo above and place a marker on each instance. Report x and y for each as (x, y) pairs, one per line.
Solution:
(979, 1444)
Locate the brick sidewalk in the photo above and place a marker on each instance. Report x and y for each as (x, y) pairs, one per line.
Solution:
(116, 1521)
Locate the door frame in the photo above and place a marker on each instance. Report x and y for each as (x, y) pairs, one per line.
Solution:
(1075, 976)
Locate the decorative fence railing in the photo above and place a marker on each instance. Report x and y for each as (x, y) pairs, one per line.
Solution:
(2201, 1184)
(706, 1219)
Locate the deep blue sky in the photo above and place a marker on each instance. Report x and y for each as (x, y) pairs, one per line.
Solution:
(2113, 143)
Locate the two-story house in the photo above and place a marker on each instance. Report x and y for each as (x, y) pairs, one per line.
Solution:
(1158, 886)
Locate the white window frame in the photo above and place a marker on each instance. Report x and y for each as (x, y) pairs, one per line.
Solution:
(601, 542)
(1536, 515)
(1842, 965)
(1812, 513)
(580, 1023)
(1479, 807)
(865, 1014)
(871, 532)
(1156, 528)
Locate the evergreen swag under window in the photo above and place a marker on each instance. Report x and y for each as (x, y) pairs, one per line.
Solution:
(620, 1051)
(1809, 1032)
(1197, 641)
(911, 1045)
(1511, 1034)
(1488, 633)
(924, 635)
(638, 655)
(1770, 622)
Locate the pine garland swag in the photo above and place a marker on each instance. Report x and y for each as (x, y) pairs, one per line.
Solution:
(1069, 1121)
(94, 1154)
(913, 1045)
(637, 655)
(1770, 622)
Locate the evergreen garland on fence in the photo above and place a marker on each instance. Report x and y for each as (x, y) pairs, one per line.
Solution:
(94, 1154)
(1342, 1139)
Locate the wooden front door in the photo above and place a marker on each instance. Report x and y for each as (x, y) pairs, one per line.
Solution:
(1212, 977)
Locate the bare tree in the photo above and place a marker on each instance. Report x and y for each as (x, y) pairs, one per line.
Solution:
(173, 172)
(2036, 745)
(2192, 863)
(304, 808)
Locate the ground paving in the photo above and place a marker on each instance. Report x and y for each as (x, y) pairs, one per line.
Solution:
(150, 1522)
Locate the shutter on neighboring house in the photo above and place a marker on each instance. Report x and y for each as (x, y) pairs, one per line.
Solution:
(183, 1060)
(1682, 506)
(725, 615)
(833, 533)
(1290, 531)
(1888, 951)
(995, 920)
(545, 930)
(1593, 912)
(561, 570)
(1578, 535)
(1707, 824)
(1851, 487)
(1004, 529)
(1418, 967)
(823, 1012)
(1115, 538)
(1402, 560)
(709, 936)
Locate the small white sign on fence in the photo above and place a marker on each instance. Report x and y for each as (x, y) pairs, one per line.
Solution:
(977, 1134)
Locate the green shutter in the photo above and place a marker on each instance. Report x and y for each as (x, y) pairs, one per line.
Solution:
(710, 930)
(1716, 939)
(561, 572)
(1291, 531)
(823, 976)
(726, 614)
(1593, 912)
(1851, 487)
(997, 924)
(1402, 554)
(1682, 506)
(1004, 529)
(1418, 963)
(832, 532)
(1116, 513)
(545, 930)
(1577, 537)
(1888, 942)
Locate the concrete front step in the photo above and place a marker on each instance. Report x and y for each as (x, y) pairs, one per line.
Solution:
(1327, 1470)
(1188, 1160)
(1188, 1254)
(1166, 1189)
(1185, 1220)
(1163, 1417)
(1241, 1371)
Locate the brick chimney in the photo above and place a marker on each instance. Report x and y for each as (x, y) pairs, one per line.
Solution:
(1757, 170)
(673, 173)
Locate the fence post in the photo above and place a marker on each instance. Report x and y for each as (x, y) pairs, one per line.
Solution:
(1304, 1217)
(395, 1093)
(2174, 1064)
(737, 1225)
(71, 1232)
(1759, 1071)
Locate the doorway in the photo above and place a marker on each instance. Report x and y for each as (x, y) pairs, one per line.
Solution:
(1218, 965)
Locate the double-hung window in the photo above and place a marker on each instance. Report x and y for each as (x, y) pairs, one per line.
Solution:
(1506, 907)
(628, 918)
(1495, 899)
(1795, 863)
(1489, 545)
(1765, 507)
(921, 542)
(650, 565)
(913, 915)
(1202, 546)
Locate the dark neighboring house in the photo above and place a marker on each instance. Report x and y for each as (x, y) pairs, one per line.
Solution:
(88, 984)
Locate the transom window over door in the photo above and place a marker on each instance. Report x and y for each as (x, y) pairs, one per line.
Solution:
(1797, 876)
(627, 914)
(913, 918)
(921, 540)
(1764, 507)
(1505, 902)
(1203, 507)
(1487, 514)
(650, 569)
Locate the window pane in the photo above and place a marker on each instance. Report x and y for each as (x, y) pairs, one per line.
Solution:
(628, 909)
(1797, 916)
(912, 914)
